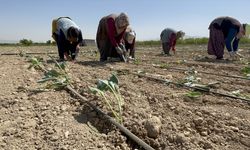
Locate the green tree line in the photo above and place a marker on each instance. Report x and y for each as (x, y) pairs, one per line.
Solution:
(198, 41)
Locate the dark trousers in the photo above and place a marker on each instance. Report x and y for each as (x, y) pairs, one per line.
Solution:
(107, 50)
(131, 50)
(166, 47)
(64, 46)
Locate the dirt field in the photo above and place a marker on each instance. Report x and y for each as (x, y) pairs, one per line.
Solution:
(58, 120)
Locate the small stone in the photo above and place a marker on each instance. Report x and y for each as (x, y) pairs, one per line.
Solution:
(204, 133)
(235, 129)
(198, 121)
(180, 138)
(63, 107)
(153, 127)
(54, 138)
(22, 108)
(207, 145)
(66, 134)
(77, 103)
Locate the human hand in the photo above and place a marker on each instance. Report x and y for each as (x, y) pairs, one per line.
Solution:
(122, 52)
(67, 56)
(131, 58)
(122, 46)
(119, 50)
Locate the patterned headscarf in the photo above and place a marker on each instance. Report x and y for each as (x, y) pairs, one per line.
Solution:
(130, 36)
(122, 20)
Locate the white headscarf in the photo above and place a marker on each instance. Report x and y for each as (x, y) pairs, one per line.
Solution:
(130, 37)
(122, 20)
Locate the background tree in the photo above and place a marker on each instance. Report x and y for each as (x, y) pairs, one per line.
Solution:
(26, 42)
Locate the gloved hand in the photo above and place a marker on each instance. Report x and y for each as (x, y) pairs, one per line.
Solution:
(122, 46)
(131, 58)
(119, 50)
(122, 53)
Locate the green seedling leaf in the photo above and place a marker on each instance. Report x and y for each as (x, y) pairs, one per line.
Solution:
(114, 79)
(113, 86)
(164, 66)
(190, 78)
(137, 61)
(236, 92)
(193, 94)
(102, 85)
(61, 65)
(141, 72)
(53, 73)
(115, 101)
(33, 60)
(22, 54)
(35, 63)
(181, 61)
(95, 90)
(167, 82)
(46, 79)
(213, 84)
(246, 71)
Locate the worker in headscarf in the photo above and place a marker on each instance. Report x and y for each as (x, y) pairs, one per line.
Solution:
(225, 31)
(68, 37)
(168, 39)
(109, 36)
(129, 42)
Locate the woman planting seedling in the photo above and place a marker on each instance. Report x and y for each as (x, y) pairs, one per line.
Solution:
(68, 37)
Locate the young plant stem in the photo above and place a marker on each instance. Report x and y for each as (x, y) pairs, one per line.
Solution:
(196, 88)
(110, 107)
(122, 128)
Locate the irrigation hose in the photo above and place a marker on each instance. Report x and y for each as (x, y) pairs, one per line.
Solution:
(229, 76)
(121, 127)
(29, 53)
(99, 111)
(196, 88)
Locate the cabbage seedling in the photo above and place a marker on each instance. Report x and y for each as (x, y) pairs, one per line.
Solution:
(110, 86)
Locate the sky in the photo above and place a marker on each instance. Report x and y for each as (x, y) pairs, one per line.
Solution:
(31, 19)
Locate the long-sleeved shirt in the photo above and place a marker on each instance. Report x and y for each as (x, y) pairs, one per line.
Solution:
(63, 24)
(112, 34)
(225, 24)
(169, 36)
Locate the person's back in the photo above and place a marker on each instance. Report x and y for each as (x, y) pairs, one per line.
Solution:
(68, 37)
(64, 24)
(225, 31)
(109, 35)
(169, 37)
(166, 34)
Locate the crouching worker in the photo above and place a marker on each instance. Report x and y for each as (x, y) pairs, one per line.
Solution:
(225, 31)
(68, 37)
(129, 41)
(109, 36)
(168, 39)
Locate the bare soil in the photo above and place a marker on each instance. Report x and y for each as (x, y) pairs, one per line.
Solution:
(160, 114)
